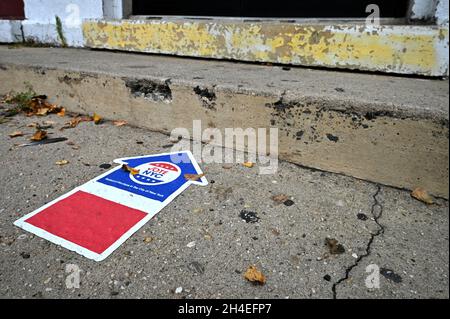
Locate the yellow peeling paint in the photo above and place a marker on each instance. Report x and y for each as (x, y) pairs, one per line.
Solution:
(398, 49)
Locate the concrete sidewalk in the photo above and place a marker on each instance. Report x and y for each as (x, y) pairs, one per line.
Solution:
(408, 241)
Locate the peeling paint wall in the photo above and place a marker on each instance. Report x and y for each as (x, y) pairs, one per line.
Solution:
(397, 49)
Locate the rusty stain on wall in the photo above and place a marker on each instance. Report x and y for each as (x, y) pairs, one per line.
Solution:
(397, 49)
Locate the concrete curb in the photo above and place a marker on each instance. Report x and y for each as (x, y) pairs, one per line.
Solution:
(384, 129)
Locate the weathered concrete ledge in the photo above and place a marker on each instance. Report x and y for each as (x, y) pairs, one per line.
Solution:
(385, 129)
(401, 49)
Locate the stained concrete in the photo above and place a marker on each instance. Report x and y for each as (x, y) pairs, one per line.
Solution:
(389, 130)
(287, 243)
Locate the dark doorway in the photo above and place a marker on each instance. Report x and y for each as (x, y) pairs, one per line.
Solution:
(270, 9)
(11, 9)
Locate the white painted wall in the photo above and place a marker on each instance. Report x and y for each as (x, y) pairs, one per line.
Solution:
(10, 31)
(442, 12)
(40, 23)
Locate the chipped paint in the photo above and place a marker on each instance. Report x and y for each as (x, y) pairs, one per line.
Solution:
(397, 49)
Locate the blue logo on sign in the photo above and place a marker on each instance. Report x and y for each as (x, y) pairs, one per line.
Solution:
(158, 176)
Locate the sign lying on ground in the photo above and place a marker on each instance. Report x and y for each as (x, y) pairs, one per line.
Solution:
(95, 218)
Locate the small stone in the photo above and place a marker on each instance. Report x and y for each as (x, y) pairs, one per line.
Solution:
(355, 256)
(327, 277)
(191, 244)
(105, 166)
(362, 216)
(25, 255)
(179, 290)
(289, 203)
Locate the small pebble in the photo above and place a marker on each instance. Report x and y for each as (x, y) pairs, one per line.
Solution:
(191, 244)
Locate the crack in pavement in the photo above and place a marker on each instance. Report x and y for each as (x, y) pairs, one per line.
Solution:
(376, 211)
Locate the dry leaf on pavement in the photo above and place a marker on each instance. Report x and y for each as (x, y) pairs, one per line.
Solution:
(62, 112)
(334, 246)
(248, 164)
(16, 134)
(422, 195)
(131, 170)
(62, 162)
(39, 135)
(254, 275)
(120, 123)
(148, 240)
(281, 198)
(193, 177)
(96, 118)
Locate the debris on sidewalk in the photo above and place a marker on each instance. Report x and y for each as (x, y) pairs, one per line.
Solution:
(120, 123)
(279, 198)
(30, 103)
(193, 177)
(391, 275)
(282, 198)
(248, 164)
(131, 170)
(62, 162)
(15, 134)
(97, 119)
(191, 244)
(422, 195)
(39, 135)
(179, 290)
(334, 246)
(255, 276)
(362, 216)
(249, 217)
(46, 141)
(148, 239)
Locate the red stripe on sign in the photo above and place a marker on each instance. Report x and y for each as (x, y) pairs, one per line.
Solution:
(87, 220)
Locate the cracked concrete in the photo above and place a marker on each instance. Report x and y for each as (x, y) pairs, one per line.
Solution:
(286, 242)
(376, 212)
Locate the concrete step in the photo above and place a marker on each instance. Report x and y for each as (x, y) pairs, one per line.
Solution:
(385, 129)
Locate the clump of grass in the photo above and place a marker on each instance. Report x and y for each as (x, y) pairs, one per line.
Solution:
(59, 30)
(20, 101)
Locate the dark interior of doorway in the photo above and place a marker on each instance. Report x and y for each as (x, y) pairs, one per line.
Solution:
(11, 9)
(270, 9)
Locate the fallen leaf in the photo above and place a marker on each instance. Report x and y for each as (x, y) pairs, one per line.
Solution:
(281, 198)
(62, 162)
(334, 246)
(42, 111)
(422, 195)
(120, 123)
(72, 123)
(254, 275)
(193, 177)
(16, 134)
(96, 118)
(148, 240)
(248, 164)
(62, 112)
(131, 170)
(39, 135)
(33, 124)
